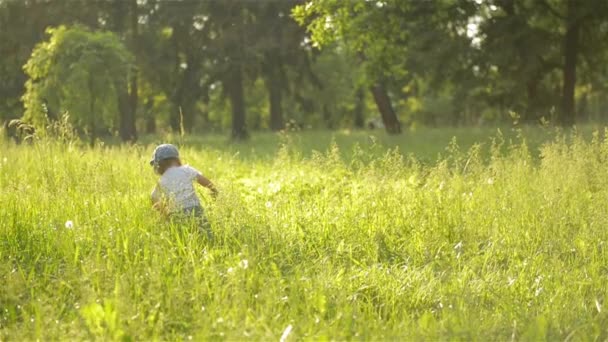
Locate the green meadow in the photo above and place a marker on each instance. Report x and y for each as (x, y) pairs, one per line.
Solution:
(438, 234)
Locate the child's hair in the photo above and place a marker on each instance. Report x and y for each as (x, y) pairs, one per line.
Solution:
(164, 164)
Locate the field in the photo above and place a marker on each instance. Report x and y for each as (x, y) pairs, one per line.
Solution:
(439, 239)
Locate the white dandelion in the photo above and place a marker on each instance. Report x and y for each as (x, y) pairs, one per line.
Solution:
(286, 333)
(69, 224)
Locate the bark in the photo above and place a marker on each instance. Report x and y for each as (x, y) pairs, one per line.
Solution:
(124, 108)
(237, 102)
(273, 67)
(186, 94)
(174, 116)
(360, 109)
(92, 111)
(567, 112)
(532, 107)
(327, 117)
(131, 130)
(174, 119)
(126, 12)
(385, 107)
(149, 115)
(183, 107)
(206, 103)
(275, 96)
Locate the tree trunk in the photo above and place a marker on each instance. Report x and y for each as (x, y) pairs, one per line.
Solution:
(360, 108)
(531, 113)
(174, 119)
(92, 111)
(182, 112)
(383, 102)
(275, 95)
(149, 115)
(206, 100)
(126, 13)
(327, 117)
(567, 112)
(130, 129)
(189, 89)
(185, 96)
(175, 96)
(237, 102)
(124, 109)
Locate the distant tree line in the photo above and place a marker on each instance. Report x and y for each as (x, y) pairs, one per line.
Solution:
(130, 67)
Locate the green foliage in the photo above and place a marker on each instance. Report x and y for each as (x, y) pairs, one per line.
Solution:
(77, 71)
(443, 62)
(372, 246)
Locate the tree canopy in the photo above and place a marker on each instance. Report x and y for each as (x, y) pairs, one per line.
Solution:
(239, 66)
(78, 72)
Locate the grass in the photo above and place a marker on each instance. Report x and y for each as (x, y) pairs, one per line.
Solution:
(504, 240)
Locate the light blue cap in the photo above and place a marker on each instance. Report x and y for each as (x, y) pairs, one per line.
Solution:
(162, 152)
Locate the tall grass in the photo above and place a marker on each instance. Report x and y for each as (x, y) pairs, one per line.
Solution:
(485, 243)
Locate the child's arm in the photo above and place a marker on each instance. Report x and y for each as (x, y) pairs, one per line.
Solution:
(157, 202)
(202, 180)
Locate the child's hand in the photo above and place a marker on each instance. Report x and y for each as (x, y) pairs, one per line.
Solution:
(162, 209)
(202, 180)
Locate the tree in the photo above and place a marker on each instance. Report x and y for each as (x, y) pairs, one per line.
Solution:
(124, 22)
(279, 45)
(22, 26)
(359, 25)
(534, 44)
(397, 41)
(81, 72)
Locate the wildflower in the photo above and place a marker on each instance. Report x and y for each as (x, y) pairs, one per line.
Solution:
(244, 264)
(230, 270)
(490, 181)
(286, 333)
(268, 204)
(69, 224)
(441, 185)
(274, 187)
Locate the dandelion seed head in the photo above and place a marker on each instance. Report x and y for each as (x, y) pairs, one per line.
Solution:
(286, 333)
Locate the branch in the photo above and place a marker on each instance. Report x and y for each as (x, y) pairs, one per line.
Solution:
(552, 10)
(548, 66)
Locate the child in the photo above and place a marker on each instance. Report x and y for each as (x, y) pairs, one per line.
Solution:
(174, 193)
